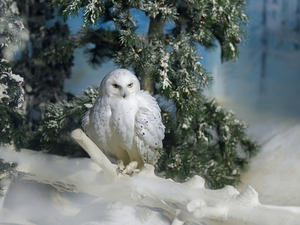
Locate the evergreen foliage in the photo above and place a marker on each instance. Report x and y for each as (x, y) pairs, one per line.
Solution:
(12, 33)
(12, 122)
(214, 145)
(8, 171)
(44, 73)
(64, 117)
(201, 137)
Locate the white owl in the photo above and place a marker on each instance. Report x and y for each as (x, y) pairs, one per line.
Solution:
(125, 122)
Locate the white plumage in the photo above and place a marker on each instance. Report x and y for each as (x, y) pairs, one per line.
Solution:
(125, 122)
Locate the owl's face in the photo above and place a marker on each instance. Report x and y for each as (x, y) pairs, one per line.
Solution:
(119, 83)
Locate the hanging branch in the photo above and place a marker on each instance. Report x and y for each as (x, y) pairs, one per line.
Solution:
(189, 201)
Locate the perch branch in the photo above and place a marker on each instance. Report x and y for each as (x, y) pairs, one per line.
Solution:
(189, 201)
(96, 154)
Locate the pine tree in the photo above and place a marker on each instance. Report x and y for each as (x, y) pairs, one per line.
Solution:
(13, 133)
(40, 74)
(201, 137)
(44, 73)
(12, 93)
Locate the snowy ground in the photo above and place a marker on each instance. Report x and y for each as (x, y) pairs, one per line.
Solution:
(273, 173)
(38, 204)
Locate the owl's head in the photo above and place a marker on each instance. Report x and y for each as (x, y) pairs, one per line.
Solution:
(120, 83)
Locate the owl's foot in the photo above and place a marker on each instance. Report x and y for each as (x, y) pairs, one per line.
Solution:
(130, 169)
(121, 167)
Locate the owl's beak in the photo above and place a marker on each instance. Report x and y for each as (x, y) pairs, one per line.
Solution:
(124, 95)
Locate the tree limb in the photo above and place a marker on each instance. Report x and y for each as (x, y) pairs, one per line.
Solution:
(189, 201)
(96, 154)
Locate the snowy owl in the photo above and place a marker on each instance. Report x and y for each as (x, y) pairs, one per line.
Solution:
(125, 122)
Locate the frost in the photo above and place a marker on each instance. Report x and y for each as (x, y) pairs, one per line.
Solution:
(218, 109)
(14, 8)
(16, 77)
(3, 92)
(226, 135)
(236, 121)
(20, 24)
(232, 49)
(4, 87)
(88, 105)
(185, 126)
(52, 124)
(5, 128)
(201, 135)
(92, 13)
(155, 8)
(164, 72)
(166, 82)
(73, 7)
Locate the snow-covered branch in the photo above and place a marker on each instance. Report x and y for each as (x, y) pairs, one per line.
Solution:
(97, 155)
(189, 201)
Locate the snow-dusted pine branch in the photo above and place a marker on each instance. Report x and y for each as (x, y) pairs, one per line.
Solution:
(189, 201)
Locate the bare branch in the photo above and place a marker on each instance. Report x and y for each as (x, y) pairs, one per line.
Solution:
(96, 154)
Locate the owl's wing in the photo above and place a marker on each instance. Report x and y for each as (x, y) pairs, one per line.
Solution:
(148, 127)
(85, 122)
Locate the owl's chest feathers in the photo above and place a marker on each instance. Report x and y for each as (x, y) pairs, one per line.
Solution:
(116, 118)
(123, 113)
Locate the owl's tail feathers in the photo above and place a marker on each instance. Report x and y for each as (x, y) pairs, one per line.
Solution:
(150, 156)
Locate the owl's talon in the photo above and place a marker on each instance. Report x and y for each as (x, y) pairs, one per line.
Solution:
(120, 167)
(130, 169)
(134, 172)
(120, 164)
(119, 170)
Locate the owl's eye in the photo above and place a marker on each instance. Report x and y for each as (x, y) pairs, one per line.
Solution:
(115, 85)
(130, 85)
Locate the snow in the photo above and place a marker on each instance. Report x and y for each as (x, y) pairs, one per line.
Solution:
(273, 115)
(12, 76)
(274, 172)
(33, 203)
(88, 105)
(41, 204)
(3, 93)
(14, 8)
(164, 73)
